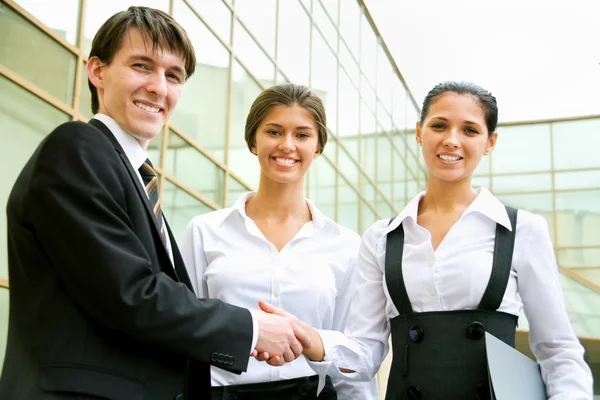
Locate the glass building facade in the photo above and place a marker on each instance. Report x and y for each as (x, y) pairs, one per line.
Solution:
(371, 165)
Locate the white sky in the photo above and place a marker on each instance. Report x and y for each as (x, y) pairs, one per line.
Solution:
(540, 58)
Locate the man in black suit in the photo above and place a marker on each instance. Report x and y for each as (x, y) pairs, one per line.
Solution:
(100, 302)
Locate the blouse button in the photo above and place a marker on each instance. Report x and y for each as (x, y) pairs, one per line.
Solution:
(431, 262)
(416, 333)
(475, 330)
(431, 292)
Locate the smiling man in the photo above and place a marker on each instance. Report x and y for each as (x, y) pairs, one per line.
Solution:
(100, 302)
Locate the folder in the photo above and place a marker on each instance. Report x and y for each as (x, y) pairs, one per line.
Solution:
(512, 374)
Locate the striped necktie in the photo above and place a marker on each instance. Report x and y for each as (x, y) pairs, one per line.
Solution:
(151, 181)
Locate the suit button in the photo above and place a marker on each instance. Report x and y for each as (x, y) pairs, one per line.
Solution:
(232, 396)
(303, 390)
(213, 357)
(475, 330)
(416, 334)
(413, 393)
(178, 397)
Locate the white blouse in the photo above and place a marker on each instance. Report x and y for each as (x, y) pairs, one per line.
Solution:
(454, 277)
(228, 258)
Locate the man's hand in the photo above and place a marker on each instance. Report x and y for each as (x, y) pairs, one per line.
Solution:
(314, 352)
(279, 338)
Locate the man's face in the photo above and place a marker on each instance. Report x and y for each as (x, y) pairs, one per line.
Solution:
(140, 88)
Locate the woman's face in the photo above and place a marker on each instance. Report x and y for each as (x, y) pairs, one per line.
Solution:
(287, 142)
(454, 136)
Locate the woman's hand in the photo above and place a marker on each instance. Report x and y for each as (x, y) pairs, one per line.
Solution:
(315, 352)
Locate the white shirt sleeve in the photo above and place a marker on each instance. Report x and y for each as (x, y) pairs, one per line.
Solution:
(551, 337)
(365, 343)
(350, 390)
(195, 262)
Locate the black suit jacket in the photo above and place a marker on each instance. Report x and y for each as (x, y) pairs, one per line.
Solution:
(96, 307)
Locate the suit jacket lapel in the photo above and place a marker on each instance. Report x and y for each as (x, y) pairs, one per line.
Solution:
(144, 197)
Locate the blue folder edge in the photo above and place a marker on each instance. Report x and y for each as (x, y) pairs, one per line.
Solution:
(512, 374)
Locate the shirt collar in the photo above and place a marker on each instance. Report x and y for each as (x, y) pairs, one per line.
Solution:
(134, 152)
(318, 218)
(485, 203)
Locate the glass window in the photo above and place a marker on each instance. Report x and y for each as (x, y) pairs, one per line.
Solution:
(324, 78)
(580, 258)
(252, 56)
(479, 181)
(522, 148)
(259, 20)
(20, 134)
(194, 170)
(245, 91)
(385, 79)
(577, 179)
(322, 179)
(578, 218)
(522, 183)
(538, 203)
(484, 166)
(576, 144)
(368, 144)
(348, 107)
(385, 155)
(200, 116)
(367, 217)
(384, 209)
(332, 8)
(234, 190)
(323, 22)
(368, 50)
(63, 23)
(209, 50)
(348, 204)
(367, 190)
(350, 26)
(204, 118)
(3, 324)
(348, 167)
(331, 148)
(217, 16)
(399, 104)
(293, 42)
(154, 149)
(180, 207)
(85, 96)
(98, 11)
(348, 64)
(57, 77)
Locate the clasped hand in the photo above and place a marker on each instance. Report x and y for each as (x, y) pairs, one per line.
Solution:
(282, 337)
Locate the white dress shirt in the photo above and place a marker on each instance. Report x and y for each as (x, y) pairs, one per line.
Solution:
(228, 258)
(134, 153)
(454, 277)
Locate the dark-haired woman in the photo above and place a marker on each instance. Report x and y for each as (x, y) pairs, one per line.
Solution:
(452, 265)
(275, 245)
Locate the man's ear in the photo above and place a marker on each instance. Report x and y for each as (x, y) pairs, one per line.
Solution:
(94, 70)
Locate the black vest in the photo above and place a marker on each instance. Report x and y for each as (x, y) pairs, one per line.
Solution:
(441, 355)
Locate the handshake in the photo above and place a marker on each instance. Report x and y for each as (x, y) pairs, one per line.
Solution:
(282, 337)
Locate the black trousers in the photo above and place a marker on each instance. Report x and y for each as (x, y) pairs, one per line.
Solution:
(304, 388)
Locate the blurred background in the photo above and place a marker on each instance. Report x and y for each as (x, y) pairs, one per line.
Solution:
(372, 62)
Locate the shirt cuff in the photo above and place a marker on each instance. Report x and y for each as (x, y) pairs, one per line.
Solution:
(254, 333)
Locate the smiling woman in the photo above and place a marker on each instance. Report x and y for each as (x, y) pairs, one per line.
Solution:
(451, 260)
(275, 245)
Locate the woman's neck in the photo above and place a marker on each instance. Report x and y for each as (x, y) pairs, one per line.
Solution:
(447, 197)
(278, 201)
